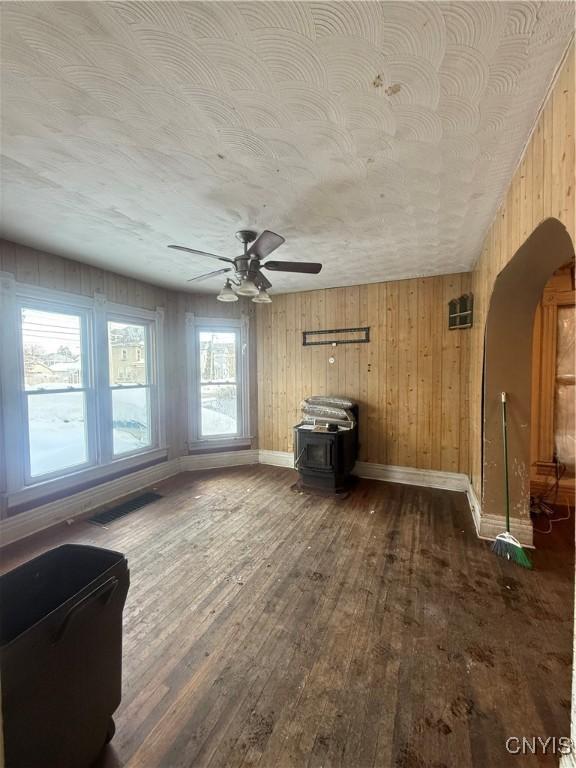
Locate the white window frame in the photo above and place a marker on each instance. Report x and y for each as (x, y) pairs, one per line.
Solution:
(116, 314)
(20, 487)
(87, 388)
(239, 326)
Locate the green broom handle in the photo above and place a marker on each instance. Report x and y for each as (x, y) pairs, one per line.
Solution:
(505, 441)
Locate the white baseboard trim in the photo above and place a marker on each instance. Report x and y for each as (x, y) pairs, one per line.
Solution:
(475, 507)
(277, 458)
(449, 481)
(46, 515)
(39, 518)
(489, 526)
(195, 462)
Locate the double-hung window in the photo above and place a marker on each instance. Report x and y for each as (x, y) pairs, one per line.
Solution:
(57, 392)
(81, 388)
(218, 391)
(130, 382)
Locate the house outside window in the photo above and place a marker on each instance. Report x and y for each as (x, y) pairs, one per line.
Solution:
(218, 380)
(73, 409)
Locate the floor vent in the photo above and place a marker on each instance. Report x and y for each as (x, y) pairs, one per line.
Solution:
(110, 515)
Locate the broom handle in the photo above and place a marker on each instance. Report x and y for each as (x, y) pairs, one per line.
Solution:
(505, 441)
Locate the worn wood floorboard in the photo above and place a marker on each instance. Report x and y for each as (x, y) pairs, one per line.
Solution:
(274, 629)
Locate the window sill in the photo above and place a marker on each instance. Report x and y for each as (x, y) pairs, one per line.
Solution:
(70, 482)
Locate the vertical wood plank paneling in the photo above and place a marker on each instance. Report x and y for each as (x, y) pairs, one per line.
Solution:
(52, 272)
(55, 272)
(369, 374)
(331, 321)
(268, 424)
(542, 187)
(291, 375)
(425, 374)
(537, 174)
(464, 440)
(451, 385)
(381, 373)
(392, 401)
(407, 396)
(27, 267)
(438, 329)
(396, 378)
(352, 351)
(318, 356)
(281, 332)
(340, 352)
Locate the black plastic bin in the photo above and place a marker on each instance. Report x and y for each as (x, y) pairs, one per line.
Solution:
(61, 655)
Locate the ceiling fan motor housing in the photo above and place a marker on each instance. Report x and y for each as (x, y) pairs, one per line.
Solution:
(246, 236)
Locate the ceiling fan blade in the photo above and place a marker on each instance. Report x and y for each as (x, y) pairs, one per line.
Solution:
(260, 280)
(210, 274)
(201, 253)
(307, 267)
(265, 244)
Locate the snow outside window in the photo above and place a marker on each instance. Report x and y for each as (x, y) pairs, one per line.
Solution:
(55, 383)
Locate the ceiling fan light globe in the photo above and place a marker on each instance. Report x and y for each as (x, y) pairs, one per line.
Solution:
(227, 294)
(263, 297)
(247, 288)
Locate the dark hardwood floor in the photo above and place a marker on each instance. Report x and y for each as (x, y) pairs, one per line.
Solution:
(266, 627)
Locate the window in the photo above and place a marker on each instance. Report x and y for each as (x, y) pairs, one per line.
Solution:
(218, 385)
(55, 383)
(219, 380)
(129, 386)
(81, 389)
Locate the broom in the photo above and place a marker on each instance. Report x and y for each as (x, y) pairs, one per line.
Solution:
(505, 544)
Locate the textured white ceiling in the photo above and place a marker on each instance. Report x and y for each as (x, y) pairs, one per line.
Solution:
(377, 138)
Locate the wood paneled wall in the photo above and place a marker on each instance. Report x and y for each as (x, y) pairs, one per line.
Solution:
(542, 187)
(50, 271)
(410, 380)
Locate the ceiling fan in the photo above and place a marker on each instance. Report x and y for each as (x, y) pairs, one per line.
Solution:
(247, 279)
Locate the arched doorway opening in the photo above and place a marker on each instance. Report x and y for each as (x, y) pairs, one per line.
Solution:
(508, 359)
(508, 368)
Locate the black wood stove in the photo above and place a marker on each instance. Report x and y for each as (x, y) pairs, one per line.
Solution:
(326, 443)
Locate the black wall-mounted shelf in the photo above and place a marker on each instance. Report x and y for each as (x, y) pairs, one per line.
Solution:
(332, 338)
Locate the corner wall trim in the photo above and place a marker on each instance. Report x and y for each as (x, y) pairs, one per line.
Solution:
(475, 508)
(489, 526)
(277, 458)
(521, 528)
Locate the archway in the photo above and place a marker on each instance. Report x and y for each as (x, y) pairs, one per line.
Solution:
(507, 368)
